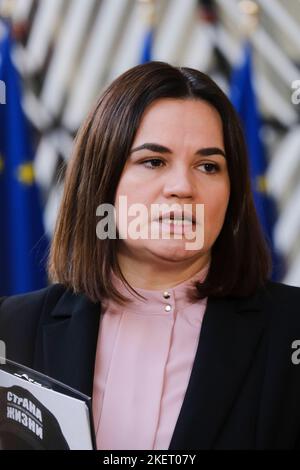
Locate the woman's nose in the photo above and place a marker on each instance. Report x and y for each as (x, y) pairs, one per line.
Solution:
(178, 183)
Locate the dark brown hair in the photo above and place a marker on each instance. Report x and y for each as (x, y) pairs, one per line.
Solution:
(240, 261)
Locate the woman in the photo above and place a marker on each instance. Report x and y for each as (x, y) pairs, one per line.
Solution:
(181, 345)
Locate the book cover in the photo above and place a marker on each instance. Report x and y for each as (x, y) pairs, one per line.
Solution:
(40, 413)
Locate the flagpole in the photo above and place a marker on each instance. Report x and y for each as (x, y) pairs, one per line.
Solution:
(7, 9)
(149, 14)
(250, 12)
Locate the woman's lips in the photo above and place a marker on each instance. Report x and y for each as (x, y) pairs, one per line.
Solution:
(177, 226)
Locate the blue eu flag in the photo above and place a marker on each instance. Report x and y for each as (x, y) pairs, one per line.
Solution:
(22, 241)
(146, 55)
(243, 97)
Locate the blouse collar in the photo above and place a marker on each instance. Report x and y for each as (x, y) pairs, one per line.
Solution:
(161, 302)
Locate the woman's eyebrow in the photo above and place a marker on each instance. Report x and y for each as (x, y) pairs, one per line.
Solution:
(204, 152)
(207, 151)
(153, 147)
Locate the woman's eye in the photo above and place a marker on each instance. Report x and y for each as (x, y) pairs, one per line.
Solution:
(209, 167)
(152, 163)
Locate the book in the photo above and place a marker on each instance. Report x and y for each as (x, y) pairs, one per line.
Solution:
(40, 413)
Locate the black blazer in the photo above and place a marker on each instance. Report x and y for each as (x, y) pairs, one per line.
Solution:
(244, 389)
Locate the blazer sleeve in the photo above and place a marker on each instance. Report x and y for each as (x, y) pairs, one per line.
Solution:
(20, 316)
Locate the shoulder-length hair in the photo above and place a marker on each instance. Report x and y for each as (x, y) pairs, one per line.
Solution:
(240, 260)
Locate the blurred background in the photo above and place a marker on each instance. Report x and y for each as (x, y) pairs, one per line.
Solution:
(57, 56)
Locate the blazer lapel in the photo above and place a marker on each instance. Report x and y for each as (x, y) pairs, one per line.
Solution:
(229, 335)
(70, 341)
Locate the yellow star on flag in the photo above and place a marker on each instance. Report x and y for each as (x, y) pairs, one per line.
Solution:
(261, 184)
(1, 164)
(26, 174)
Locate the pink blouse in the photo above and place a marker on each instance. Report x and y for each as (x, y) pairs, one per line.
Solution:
(144, 358)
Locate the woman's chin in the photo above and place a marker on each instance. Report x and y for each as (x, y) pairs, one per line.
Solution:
(172, 250)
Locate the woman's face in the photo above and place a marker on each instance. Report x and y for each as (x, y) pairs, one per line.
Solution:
(177, 157)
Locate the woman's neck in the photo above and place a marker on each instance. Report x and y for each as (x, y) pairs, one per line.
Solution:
(160, 275)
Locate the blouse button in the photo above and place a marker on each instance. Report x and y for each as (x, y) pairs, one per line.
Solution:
(166, 295)
(168, 308)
